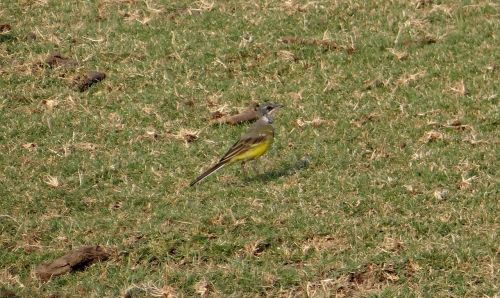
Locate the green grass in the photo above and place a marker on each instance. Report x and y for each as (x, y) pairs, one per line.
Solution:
(394, 193)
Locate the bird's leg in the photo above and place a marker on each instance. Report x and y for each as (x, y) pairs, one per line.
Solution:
(255, 167)
(243, 169)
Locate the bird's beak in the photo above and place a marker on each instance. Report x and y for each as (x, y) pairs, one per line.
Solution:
(275, 108)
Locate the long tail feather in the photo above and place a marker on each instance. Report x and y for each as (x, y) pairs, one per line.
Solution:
(208, 172)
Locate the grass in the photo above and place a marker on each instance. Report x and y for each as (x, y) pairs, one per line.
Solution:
(382, 180)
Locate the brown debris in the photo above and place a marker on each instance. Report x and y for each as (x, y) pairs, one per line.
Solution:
(315, 122)
(393, 244)
(441, 194)
(465, 183)
(189, 137)
(5, 28)
(185, 135)
(420, 42)
(373, 274)
(366, 279)
(150, 290)
(202, 288)
(50, 103)
(458, 125)
(407, 79)
(52, 181)
(365, 119)
(246, 115)
(6, 293)
(257, 248)
(57, 60)
(287, 56)
(84, 82)
(459, 89)
(217, 115)
(400, 55)
(422, 3)
(373, 84)
(432, 136)
(324, 43)
(30, 146)
(74, 260)
(86, 146)
(326, 243)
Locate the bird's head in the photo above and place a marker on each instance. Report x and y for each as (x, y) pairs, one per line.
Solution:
(267, 109)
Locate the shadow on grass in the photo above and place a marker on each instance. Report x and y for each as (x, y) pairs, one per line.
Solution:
(6, 38)
(286, 168)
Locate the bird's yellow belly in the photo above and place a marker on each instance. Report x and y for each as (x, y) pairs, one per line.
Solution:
(254, 152)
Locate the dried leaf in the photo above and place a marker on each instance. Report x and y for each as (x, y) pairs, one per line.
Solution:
(50, 103)
(440, 194)
(466, 183)
(202, 287)
(400, 55)
(287, 56)
(432, 136)
(459, 88)
(186, 135)
(30, 146)
(315, 122)
(52, 181)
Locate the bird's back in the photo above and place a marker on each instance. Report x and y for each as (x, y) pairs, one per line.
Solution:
(254, 143)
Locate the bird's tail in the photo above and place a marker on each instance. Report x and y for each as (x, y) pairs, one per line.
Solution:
(208, 172)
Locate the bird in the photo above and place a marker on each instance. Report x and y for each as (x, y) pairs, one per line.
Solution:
(251, 145)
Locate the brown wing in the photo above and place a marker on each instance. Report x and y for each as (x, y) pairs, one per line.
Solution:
(242, 145)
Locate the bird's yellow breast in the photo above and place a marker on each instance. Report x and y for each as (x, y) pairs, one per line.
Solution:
(254, 152)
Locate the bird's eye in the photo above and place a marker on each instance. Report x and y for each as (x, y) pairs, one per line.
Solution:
(269, 108)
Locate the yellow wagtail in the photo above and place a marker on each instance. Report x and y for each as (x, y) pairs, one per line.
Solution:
(251, 145)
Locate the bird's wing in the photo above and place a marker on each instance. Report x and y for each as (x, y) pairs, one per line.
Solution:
(244, 143)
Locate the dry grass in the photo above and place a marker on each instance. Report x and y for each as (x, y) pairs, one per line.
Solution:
(382, 181)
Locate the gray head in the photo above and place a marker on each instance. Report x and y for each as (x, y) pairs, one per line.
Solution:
(267, 109)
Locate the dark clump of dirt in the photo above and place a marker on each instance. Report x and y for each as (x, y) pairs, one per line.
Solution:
(245, 116)
(6, 293)
(57, 60)
(5, 33)
(83, 83)
(420, 42)
(75, 260)
(260, 248)
(5, 27)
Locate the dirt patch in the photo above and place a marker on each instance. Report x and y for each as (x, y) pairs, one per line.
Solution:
(57, 60)
(5, 28)
(6, 293)
(245, 116)
(369, 279)
(75, 260)
(84, 82)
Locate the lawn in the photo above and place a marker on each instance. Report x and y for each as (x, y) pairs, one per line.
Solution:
(382, 180)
